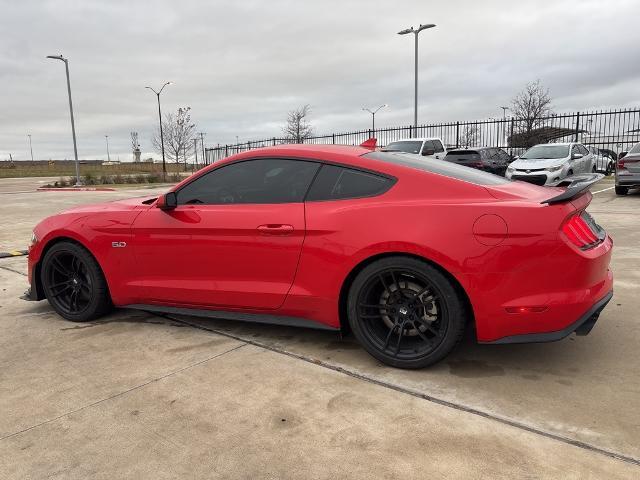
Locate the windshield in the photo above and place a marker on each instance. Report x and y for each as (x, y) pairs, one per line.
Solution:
(407, 147)
(635, 149)
(540, 152)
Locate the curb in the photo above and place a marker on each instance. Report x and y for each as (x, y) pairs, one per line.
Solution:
(14, 253)
(75, 189)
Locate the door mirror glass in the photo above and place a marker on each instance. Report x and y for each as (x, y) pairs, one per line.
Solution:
(575, 156)
(168, 201)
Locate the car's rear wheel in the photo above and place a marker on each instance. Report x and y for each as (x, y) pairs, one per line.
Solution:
(73, 283)
(405, 312)
(593, 169)
(622, 190)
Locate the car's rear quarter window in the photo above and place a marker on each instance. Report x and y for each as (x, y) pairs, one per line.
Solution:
(439, 167)
(335, 183)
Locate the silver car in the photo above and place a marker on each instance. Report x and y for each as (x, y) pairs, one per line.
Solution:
(628, 171)
(547, 163)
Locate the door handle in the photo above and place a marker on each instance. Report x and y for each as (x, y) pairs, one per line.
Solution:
(275, 229)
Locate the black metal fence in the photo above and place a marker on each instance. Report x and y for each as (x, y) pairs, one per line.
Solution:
(614, 130)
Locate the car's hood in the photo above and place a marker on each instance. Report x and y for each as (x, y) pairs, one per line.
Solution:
(524, 164)
(116, 205)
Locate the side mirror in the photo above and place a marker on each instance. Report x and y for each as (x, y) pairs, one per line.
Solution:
(168, 201)
(575, 156)
(426, 153)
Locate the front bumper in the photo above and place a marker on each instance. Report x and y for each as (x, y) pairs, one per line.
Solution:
(582, 326)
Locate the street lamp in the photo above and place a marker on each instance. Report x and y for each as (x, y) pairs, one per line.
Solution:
(415, 32)
(30, 146)
(373, 116)
(73, 126)
(108, 156)
(164, 165)
(504, 112)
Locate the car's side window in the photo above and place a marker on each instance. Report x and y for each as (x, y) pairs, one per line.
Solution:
(437, 146)
(428, 145)
(583, 150)
(338, 183)
(575, 150)
(251, 181)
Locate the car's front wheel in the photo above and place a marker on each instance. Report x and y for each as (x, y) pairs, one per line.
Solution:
(622, 190)
(73, 283)
(405, 312)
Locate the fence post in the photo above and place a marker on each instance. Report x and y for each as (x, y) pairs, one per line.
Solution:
(577, 126)
(457, 134)
(274, 141)
(510, 139)
(333, 138)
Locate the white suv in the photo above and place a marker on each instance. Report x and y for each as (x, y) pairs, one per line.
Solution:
(431, 147)
(548, 163)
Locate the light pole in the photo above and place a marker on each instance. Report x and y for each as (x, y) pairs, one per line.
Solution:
(373, 116)
(30, 146)
(204, 155)
(73, 126)
(504, 112)
(108, 156)
(164, 165)
(415, 32)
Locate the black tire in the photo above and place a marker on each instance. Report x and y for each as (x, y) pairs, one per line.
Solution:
(569, 173)
(73, 283)
(594, 169)
(622, 190)
(394, 321)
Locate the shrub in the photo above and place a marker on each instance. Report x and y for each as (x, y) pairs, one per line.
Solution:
(89, 179)
(154, 178)
(62, 182)
(118, 179)
(140, 178)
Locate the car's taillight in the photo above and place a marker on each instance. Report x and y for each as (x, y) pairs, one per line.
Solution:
(583, 231)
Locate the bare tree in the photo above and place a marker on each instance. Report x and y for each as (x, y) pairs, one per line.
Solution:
(469, 136)
(178, 131)
(298, 127)
(529, 108)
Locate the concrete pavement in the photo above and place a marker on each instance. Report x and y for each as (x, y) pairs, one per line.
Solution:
(137, 395)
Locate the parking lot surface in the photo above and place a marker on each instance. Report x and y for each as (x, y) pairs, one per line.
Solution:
(147, 396)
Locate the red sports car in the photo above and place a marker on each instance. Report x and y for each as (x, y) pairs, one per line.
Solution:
(404, 252)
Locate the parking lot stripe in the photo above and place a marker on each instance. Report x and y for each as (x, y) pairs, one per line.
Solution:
(397, 388)
(600, 191)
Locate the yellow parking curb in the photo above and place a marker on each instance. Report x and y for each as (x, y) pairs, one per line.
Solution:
(13, 253)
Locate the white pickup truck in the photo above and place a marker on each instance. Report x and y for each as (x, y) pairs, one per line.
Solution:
(431, 147)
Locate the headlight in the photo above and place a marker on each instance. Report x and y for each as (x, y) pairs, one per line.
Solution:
(555, 169)
(34, 239)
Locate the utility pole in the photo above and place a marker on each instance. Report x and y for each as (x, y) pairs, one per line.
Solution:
(73, 126)
(30, 146)
(204, 157)
(415, 98)
(195, 150)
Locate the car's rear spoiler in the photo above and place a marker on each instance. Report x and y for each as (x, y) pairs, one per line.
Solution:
(575, 186)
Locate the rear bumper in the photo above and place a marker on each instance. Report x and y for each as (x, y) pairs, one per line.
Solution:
(582, 326)
(628, 180)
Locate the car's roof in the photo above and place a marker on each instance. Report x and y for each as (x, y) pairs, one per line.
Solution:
(463, 149)
(561, 144)
(416, 139)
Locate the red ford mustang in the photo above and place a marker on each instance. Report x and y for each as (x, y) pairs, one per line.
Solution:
(404, 252)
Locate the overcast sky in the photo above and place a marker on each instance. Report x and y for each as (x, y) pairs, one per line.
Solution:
(241, 65)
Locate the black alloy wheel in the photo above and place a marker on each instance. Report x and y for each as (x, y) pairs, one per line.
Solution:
(73, 283)
(405, 312)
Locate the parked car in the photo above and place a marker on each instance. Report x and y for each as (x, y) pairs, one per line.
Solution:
(404, 253)
(548, 163)
(431, 147)
(603, 159)
(489, 159)
(628, 170)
